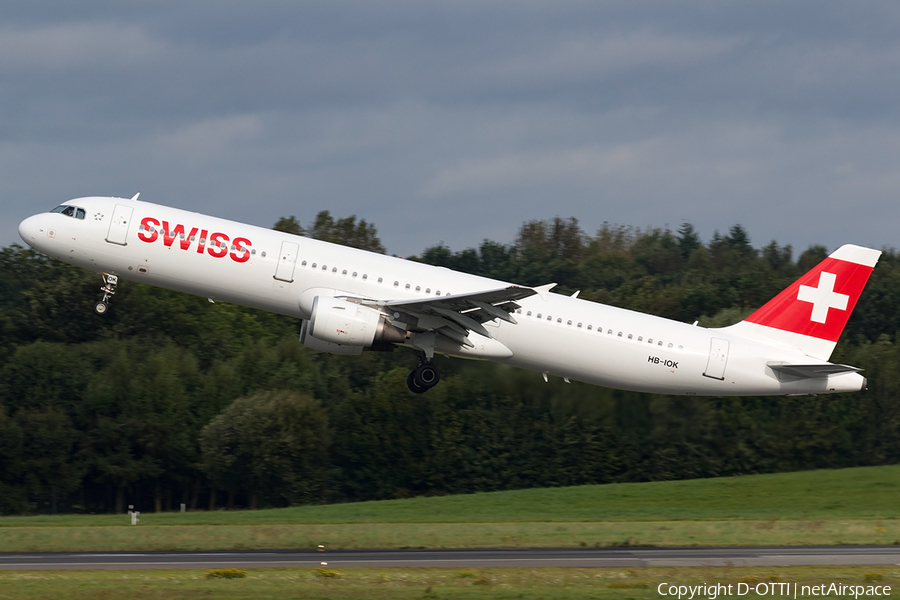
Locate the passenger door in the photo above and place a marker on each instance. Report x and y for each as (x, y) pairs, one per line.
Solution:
(718, 358)
(119, 224)
(287, 260)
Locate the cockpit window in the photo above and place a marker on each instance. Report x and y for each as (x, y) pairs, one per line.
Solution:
(69, 211)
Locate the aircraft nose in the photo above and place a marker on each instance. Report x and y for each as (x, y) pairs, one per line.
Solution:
(30, 229)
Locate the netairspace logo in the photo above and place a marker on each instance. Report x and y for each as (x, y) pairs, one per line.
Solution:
(795, 590)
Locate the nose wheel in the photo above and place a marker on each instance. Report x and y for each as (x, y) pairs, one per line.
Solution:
(109, 289)
(423, 378)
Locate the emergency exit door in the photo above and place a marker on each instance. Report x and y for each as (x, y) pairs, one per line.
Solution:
(287, 260)
(718, 357)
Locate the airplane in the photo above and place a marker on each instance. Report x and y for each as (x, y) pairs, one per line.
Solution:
(351, 300)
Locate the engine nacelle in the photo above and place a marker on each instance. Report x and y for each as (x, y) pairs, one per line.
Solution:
(341, 322)
(342, 327)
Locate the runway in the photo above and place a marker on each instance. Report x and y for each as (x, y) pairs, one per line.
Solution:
(464, 558)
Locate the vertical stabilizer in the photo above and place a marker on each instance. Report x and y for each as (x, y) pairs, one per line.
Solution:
(813, 311)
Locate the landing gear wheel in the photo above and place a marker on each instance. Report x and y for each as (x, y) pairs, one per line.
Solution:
(423, 378)
(109, 289)
(427, 375)
(412, 385)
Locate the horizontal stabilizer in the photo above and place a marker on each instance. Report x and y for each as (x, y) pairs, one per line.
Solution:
(812, 371)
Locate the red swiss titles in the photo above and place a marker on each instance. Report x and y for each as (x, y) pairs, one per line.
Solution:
(215, 244)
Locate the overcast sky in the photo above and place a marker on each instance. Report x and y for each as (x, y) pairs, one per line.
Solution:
(457, 121)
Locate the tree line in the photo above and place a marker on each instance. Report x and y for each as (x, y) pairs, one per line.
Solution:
(169, 399)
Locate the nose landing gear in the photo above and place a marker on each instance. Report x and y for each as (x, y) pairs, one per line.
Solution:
(109, 289)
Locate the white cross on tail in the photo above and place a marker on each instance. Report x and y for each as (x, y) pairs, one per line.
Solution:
(823, 297)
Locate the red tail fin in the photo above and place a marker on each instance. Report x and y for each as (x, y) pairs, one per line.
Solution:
(814, 309)
(819, 303)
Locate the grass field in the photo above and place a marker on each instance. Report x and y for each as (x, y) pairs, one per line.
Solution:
(547, 583)
(851, 506)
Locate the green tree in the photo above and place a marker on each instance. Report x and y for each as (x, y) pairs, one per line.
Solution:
(13, 496)
(274, 444)
(346, 231)
(289, 225)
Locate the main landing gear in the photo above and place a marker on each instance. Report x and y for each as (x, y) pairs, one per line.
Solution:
(424, 377)
(109, 288)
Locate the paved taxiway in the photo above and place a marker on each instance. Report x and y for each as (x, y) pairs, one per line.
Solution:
(466, 558)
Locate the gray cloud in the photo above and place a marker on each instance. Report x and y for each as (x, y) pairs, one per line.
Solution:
(458, 121)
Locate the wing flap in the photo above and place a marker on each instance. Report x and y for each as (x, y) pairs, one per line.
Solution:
(461, 313)
(463, 302)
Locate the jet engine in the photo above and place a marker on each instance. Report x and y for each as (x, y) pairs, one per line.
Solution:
(341, 327)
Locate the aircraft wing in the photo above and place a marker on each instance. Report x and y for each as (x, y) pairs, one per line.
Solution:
(812, 371)
(455, 316)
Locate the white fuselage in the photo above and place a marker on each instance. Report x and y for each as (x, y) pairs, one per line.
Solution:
(554, 334)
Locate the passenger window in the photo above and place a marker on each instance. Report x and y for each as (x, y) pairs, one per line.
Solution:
(670, 345)
(681, 347)
(539, 315)
(263, 255)
(354, 274)
(427, 290)
(324, 267)
(407, 286)
(345, 272)
(620, 334)
(396, 283)
(649, 340)
(589, 327)
(314, 265)
(380, 279)
(660, 343)
(569, 323)
(559, 320)
(438, 293)
(418, 288)
(79, 214)
(629, 336)
(334, 270)
(609, 332)
(303, 264)
(364, 276)
(579, 325)
(528, 314)
(640, 338)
